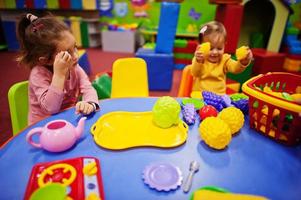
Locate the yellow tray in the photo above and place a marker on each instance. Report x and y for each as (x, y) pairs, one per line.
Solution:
(122, 130)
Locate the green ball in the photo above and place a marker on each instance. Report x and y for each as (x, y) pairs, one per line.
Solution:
(166, 112)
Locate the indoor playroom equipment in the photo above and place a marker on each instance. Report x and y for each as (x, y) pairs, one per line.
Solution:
(184, 51)
(123, 130)
(57, 135)
(103, 85)
(76, 178)
(129, 78)
(272, 115)
(18, 105)
(160, 61)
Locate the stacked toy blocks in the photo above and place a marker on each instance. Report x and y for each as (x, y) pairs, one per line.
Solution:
(184, 52)
(231, 16)
(292, 47)
(83, 61)
(160, 61)
(266, 61)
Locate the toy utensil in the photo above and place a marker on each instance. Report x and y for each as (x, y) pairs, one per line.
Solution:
(194, 167)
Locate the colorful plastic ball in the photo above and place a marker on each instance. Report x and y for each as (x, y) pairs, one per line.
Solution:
(233, 117)
(207, 111)
(215, 132)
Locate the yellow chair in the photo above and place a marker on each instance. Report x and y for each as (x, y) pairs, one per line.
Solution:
(18, 105)
(129, 78)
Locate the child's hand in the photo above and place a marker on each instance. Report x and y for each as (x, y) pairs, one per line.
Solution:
(62, 62)
(199, 56)
(84, 108)
(245, 61)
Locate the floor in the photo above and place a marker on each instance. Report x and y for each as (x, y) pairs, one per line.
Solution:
(11, 73)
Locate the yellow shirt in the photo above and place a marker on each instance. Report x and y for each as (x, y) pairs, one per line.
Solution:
(212, 76)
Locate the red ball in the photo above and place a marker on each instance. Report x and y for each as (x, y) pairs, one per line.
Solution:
(207, 111)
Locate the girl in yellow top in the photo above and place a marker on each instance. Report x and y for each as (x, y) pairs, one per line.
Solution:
(210, 64)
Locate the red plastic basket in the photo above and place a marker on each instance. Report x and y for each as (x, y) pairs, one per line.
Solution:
(273, 116)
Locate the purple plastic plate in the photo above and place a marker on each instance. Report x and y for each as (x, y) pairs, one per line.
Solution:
(162, 176)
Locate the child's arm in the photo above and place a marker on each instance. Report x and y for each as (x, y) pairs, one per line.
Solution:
(61, 65)
(51, 95)
(48, 97)
(242, 63)
(90, 98)
(197, 62)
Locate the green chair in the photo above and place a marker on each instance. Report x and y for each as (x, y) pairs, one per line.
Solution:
(18, 105)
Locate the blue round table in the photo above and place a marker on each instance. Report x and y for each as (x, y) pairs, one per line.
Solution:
(251, 164)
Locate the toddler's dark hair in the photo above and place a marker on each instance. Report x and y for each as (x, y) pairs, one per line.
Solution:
(38, 37)
(212, 28)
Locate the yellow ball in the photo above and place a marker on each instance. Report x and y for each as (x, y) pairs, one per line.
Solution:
(233, 117)
(215, 132)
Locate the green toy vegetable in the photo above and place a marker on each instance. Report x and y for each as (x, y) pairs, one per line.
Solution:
(166, 112)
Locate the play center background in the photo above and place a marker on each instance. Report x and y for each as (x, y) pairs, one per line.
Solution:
(106, 30)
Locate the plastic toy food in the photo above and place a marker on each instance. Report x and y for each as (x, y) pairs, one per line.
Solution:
(122, 130)
(162, 176)
(207, 111)
(241, 52)
(204, 48)
(57, 135)
(233, 117)
(189, 114)
(166, 112)
(213, 99)
(242, 104)
(49, 192)
(215, 132)
(198, 103)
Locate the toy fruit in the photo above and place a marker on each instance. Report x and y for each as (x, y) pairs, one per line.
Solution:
(233, 117)
(242, 104)
(213, 99)
(241, 52)
(215, 132)
(166, 112)
(205, 48)
(189, 113)
(207, 111)
(296, 97)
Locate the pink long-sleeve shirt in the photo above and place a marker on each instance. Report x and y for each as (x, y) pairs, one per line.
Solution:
(45, 99)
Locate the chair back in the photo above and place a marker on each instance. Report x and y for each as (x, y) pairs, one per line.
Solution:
(18, 105)
(129, 78)
(186, 82)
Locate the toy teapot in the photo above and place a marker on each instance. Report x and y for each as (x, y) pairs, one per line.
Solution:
(57, 135)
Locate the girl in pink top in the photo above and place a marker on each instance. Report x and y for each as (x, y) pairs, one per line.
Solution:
(56, 80)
